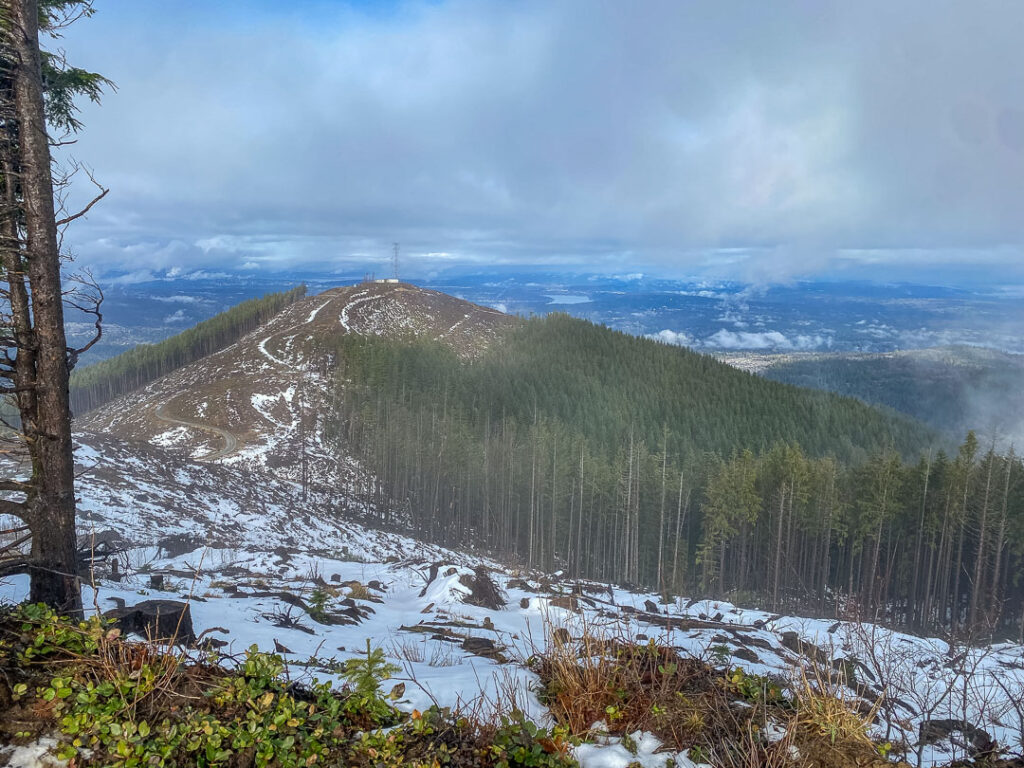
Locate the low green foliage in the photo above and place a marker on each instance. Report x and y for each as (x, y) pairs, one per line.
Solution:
(52, 634)
(128, 705)
(755, 688)
(250, 711)
(519, 743)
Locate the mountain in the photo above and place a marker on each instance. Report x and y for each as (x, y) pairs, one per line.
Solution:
(272, 397)
(258, 403)
(470, 428)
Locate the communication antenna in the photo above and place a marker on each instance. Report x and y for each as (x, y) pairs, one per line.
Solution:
(394, 259)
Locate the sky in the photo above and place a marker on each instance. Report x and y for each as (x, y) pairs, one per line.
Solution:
(760, 142)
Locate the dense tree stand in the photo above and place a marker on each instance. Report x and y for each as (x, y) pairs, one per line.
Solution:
(570, 447)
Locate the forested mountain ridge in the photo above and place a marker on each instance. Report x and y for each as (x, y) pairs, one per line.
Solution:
(600, 381)
(568, 446)
(610, 384)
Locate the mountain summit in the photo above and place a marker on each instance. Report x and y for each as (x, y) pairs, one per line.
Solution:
(256, 402)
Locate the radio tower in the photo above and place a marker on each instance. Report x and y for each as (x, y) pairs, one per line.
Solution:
(394, 259)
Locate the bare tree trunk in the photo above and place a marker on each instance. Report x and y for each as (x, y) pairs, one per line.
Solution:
(980, 554)
(827, 541)
(994, 593)
(661, 517)
(679, 528)
(915, 583)
(52, 505)
(778, 546)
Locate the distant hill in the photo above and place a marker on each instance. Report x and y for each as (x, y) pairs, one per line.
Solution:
(952, 389)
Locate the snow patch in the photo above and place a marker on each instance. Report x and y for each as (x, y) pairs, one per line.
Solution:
(172, 438)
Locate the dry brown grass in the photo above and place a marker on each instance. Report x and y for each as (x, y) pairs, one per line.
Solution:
(722, 715)
(359, 591)
(831, 725)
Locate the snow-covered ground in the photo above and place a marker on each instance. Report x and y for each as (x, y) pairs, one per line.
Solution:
(240, 547)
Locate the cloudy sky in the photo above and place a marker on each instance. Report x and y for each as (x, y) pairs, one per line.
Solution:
(757, 141)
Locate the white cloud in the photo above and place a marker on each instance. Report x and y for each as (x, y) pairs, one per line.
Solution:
(202, 274)
(677, 338)
(776, 340)
(176, 317)
(757, 141)
(131, 278)
(178, 299)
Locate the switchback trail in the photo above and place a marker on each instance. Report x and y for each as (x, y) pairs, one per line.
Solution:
(230, 441)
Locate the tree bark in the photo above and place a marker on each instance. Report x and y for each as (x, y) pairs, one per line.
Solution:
(52, 505)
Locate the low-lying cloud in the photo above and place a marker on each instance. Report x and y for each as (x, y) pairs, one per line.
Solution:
(676, 338)
(724, 339)
(775, 340)
(175, 317)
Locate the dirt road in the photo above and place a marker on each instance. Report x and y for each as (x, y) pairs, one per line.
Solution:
(230, 441)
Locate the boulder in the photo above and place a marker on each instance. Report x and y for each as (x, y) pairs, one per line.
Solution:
(482, 646)
(745, 654)
(478, 645)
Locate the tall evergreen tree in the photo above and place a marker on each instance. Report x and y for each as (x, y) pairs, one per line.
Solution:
(35, 88)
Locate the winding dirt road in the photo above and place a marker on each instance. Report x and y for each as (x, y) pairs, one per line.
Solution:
(230, 441)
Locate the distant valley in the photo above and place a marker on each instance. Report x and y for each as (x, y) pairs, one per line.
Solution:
(952, 389)
(708, 315)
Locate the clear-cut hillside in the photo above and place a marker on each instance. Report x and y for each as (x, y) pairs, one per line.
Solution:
(258, 566)
(257, 403)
